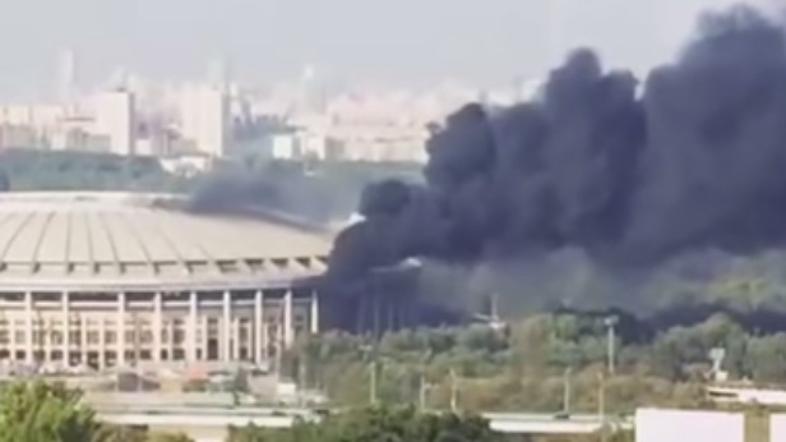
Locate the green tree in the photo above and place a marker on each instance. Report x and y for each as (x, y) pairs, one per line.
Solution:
(37, 412)
(123, 433)
(767, 358)
(132, 434)
(377, 424)
(168, 437)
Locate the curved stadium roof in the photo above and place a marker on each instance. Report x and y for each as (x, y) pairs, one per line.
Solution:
(120, 241)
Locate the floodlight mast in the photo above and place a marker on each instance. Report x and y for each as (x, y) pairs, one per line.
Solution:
(611, 323)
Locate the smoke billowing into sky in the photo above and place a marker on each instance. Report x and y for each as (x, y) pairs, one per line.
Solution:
(694, 158)
(282, 190)
(319, 195)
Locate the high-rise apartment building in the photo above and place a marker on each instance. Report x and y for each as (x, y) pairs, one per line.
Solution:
(205, 119)
(115, 117)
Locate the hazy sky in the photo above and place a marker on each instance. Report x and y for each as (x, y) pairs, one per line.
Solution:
(393, 41)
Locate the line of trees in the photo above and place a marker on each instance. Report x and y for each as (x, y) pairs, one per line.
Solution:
(527, 367)
(40, 412)
(375, 424)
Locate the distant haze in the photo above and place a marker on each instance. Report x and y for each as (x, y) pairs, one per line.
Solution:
(405, 42)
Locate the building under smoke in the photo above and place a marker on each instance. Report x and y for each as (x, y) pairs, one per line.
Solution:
(383, 301)
(630, 175)
(116, 279)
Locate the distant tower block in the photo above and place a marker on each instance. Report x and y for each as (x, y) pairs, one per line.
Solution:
(67, 77)
(205, 119)
(308, 88)
(115, 117)
(219, 74)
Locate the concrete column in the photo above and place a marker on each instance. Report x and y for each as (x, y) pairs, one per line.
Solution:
(157, 325)
(120, 326)
(236, 338)
(29, 344)
(191, 328)
(314, 316)
(101, 344)
(12, 347)
(66, 315)
(226, 327)
(47, 336)
(289, 332)
(171, 346)
(205, 336)
(83, 347)
(265, 341)
(259, 324)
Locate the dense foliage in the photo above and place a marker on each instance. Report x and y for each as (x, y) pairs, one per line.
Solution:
(44, 170)
(29, 169)
(41, 412)
(527, 366)
(402, 424)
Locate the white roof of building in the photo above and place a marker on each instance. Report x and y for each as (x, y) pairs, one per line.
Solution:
(94, 240)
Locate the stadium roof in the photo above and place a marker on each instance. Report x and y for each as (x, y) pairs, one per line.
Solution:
(97, 240)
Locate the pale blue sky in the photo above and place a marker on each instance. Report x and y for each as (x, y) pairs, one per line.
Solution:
(417, 42)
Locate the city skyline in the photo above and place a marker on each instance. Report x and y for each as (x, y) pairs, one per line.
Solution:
(350, 41)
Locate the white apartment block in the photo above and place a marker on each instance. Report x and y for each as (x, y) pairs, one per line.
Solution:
(205, 119)
(114, 116)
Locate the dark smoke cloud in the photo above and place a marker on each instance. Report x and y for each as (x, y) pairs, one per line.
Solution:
(280, 190)
(285, 191)
(695, 158)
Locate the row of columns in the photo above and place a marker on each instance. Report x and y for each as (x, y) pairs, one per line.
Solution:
(230, 327)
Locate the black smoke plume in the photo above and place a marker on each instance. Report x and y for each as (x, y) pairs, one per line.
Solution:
(694, 158)
(274, 189)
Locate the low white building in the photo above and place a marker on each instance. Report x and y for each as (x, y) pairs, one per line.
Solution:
(37, 117)
(186, 165)
(660, 425)
(12, 135)
(777, 427)
(30, 126)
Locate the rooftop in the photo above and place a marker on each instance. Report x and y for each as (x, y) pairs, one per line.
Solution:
(95, 239)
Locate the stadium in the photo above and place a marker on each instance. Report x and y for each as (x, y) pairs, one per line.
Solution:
(116, 279)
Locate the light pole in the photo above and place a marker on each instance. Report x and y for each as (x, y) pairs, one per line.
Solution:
(376, 378)
(566, 392)
(424, 386)
(610, 323)
(453, 391)
(423, 392)
(373, 383)
(371, 354)
(602, 406)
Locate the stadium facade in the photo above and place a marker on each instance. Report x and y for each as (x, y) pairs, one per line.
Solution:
(114, 279)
